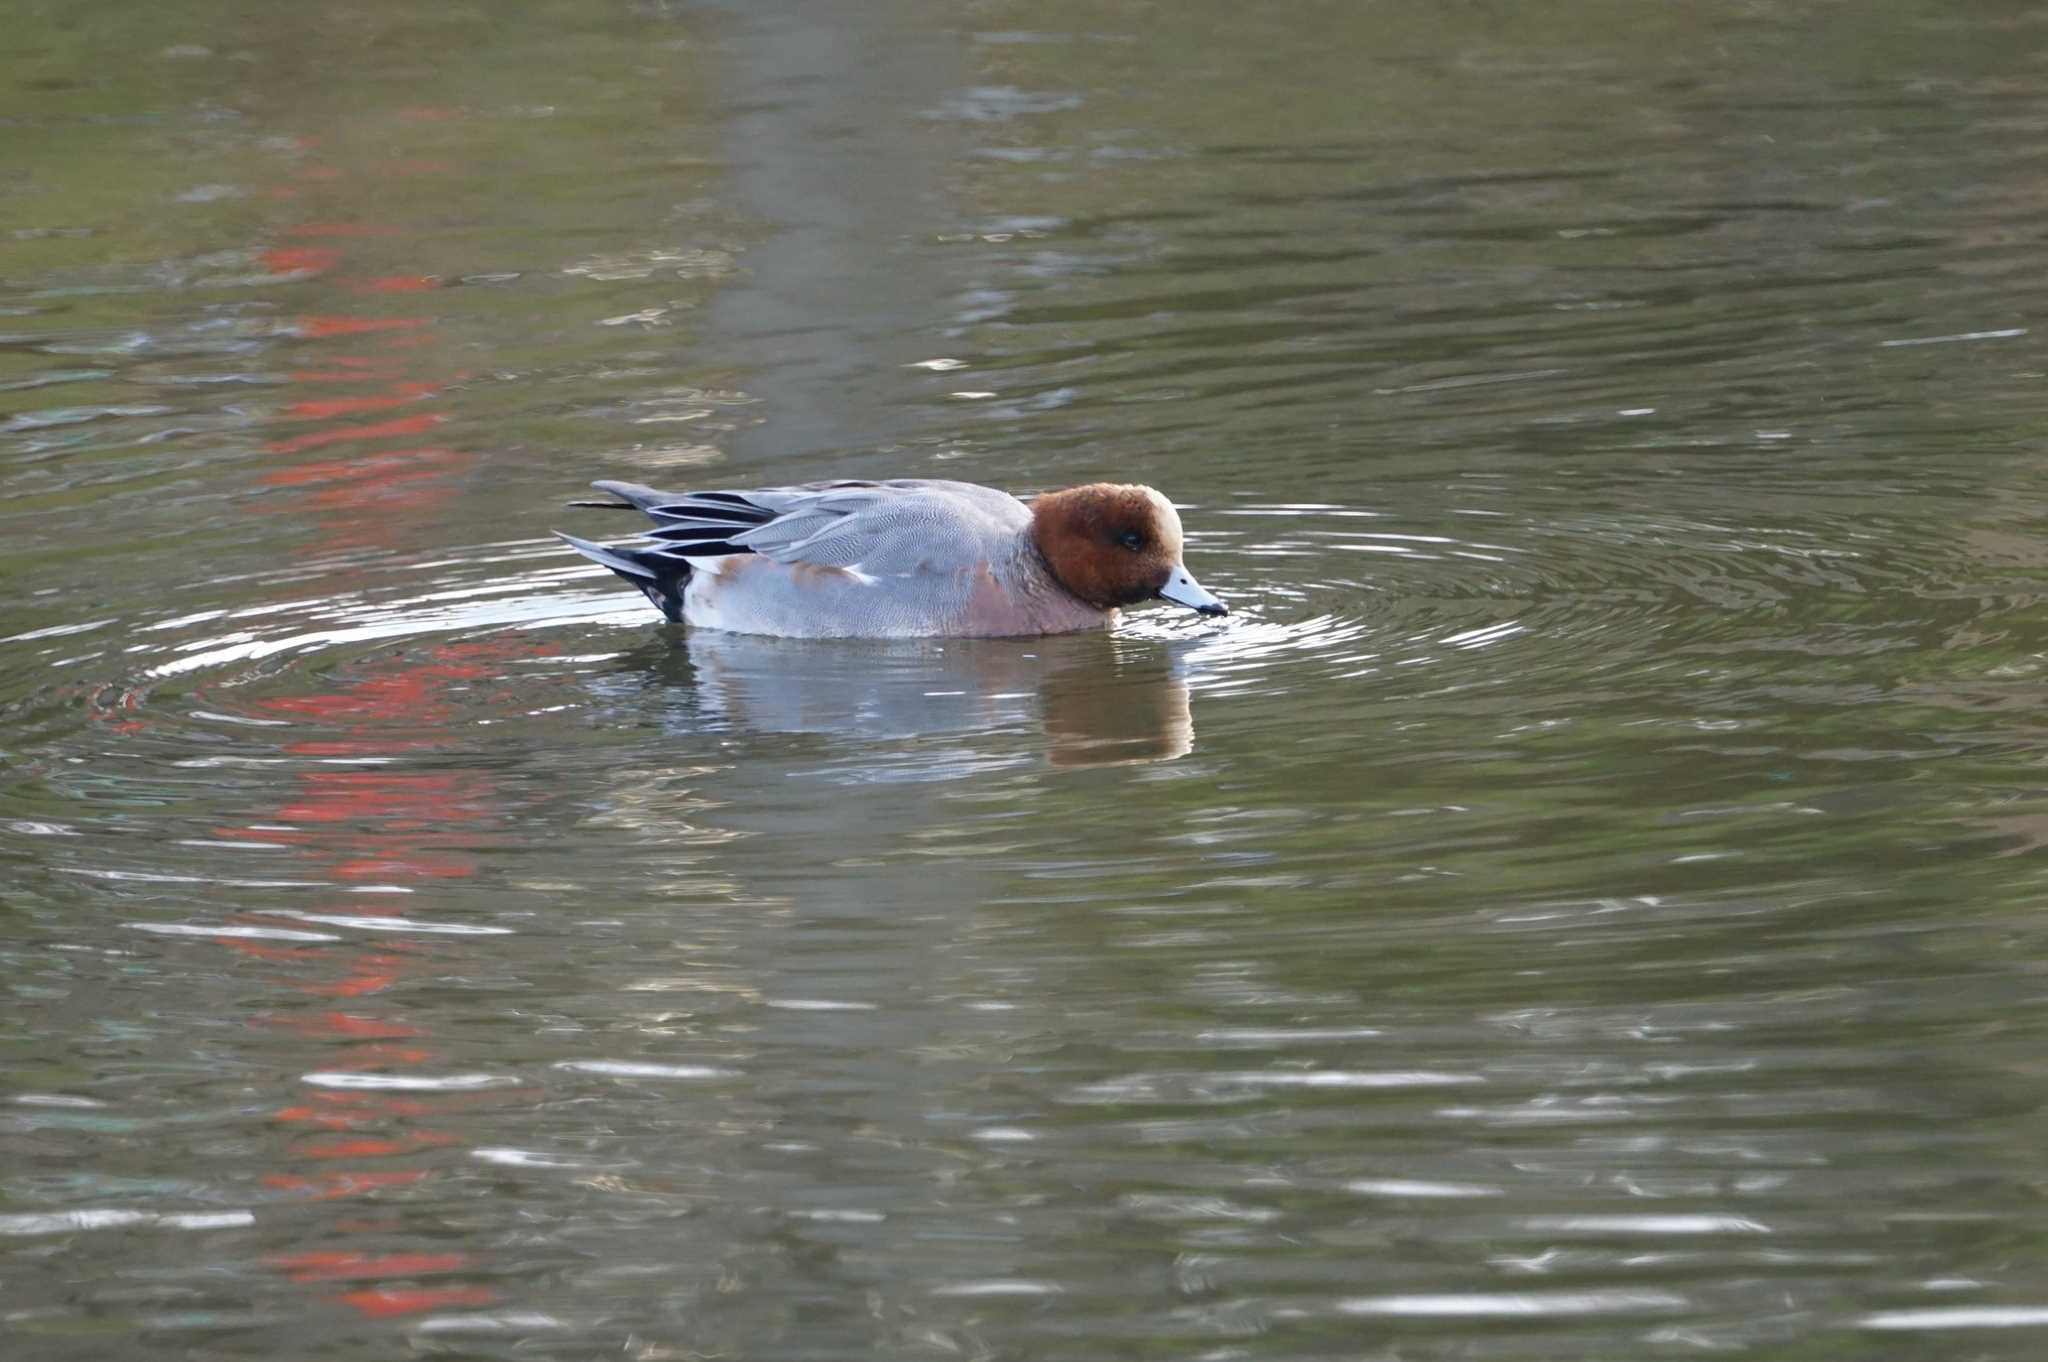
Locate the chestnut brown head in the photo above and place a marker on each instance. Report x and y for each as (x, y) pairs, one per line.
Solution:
(1113, 544)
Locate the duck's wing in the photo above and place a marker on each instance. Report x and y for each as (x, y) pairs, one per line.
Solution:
(889, 529)
(880, 528)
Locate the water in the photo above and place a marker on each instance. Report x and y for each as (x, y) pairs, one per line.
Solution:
(1582, 903)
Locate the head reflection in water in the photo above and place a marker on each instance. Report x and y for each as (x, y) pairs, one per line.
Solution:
(1094, 720)
(1096, 701)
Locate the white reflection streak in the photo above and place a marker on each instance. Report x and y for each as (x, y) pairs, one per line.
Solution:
(2005, 334)
(521, 1158)
(153, 877)
(1256, 1035)
(1341, 1078)
(57, 631)
(1645, 1224)
(399, 622)
(618, 1068)
(1517, 1305)
(486, 1324)
(1000, 1288)
(1959, 1317)
(406, 1082)
(60, 1222)
(1479, 638)
(391, 924)
(206, 930)
(1406, 1187)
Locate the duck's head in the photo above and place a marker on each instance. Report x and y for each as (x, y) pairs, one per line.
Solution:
(1113, 544)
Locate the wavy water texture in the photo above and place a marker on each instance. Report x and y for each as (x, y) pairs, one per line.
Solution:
(1580, 903)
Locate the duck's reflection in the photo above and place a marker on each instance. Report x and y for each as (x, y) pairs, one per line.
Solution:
(1143, 717)
(1097, 699)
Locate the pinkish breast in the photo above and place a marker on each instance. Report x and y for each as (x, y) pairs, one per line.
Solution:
(996, 610)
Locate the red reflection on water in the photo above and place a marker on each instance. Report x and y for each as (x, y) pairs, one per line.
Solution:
(385, 1303)
(326, 408)
(354, 1149)
(390, 466)
(372, 1147)
(315, 328)
(366, 1058)
(346, 1024)
(397, 283)
(355, 985)
(333, 1110)
(352, 747)
(373, 807)
(378, 430)
(325, 1120)
(341, 1266)
(299, 259)
(397, 826)
(413, 490)
(403, 801)
(333, 1186)
(410, 693)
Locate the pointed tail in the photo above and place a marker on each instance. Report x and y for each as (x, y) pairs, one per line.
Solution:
(631, 496)
(661, 579)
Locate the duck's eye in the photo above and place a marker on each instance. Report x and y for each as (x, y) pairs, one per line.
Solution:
(1131, 540)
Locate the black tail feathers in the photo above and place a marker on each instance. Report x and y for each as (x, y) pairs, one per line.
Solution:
(660, 578)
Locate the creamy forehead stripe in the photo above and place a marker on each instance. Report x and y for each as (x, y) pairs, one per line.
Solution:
(1169, 518)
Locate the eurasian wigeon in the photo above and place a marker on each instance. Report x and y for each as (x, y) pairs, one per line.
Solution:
(907, 558)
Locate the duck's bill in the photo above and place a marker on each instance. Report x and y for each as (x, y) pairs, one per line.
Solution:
(1183, 589)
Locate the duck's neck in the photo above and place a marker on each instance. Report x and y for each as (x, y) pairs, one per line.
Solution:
(1032, 599)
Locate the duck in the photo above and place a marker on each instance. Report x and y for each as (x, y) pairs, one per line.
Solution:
(901, 558)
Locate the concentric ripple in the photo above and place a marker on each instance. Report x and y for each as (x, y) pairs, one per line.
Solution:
(1581, 902)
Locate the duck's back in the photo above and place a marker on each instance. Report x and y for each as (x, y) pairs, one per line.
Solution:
(909, 557)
